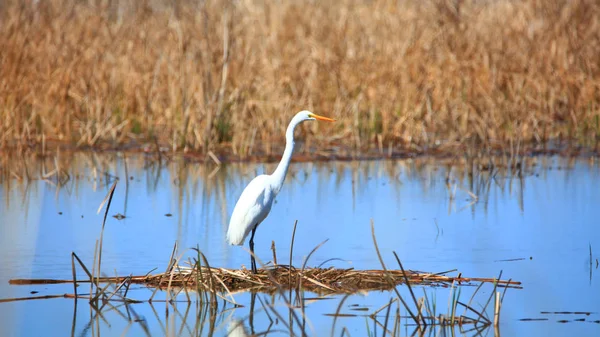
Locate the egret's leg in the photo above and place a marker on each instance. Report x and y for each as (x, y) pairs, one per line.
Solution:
(252, 261)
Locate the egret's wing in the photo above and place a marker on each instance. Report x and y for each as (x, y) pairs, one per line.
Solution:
(252, 208)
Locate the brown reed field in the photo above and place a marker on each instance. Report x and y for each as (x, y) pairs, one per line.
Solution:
(227, 76)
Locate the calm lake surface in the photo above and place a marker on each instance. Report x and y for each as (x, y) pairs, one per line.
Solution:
(538, 227)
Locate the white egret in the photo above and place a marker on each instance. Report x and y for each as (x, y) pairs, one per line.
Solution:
(256, 200)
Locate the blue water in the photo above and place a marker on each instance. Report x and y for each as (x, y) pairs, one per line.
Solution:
(432, 214)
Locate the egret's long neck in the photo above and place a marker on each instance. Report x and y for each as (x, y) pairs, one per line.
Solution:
(281, 170)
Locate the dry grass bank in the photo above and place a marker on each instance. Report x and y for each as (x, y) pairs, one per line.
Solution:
(227, 76)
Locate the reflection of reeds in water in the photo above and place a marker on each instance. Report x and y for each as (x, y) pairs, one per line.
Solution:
(208, 185)
(186, 319)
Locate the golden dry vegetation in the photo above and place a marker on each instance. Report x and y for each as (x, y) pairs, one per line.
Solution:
(227, 76)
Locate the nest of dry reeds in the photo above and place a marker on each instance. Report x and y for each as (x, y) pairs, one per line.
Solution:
(318, 280)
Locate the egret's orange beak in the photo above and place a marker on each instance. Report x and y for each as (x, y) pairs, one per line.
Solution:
(321, 118)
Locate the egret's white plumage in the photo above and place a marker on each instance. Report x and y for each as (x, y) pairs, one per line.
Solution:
(256, 200)
(252, 208)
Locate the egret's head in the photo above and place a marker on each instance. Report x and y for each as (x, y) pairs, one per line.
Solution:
(307, 115)
(300, 117)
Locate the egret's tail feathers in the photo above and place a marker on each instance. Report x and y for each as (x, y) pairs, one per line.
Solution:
(236, 239)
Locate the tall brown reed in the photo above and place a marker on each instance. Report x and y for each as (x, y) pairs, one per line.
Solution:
(224, 75)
